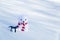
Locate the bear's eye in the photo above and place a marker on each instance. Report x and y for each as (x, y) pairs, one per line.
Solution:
(21, 19)
(25, 19)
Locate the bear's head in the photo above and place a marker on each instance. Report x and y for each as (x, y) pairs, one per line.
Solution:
(23, 19)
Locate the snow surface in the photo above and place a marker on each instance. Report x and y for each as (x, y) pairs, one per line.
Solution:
(43, 15)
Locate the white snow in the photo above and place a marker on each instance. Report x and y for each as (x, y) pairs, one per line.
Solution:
(43, 19)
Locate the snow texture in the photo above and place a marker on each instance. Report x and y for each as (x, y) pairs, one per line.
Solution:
(43, 19)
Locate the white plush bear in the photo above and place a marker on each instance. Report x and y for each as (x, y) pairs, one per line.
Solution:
(23, 23)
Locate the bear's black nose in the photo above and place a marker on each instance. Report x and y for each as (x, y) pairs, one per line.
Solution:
(23, 21)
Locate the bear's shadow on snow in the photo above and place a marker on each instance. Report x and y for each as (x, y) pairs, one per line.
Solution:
(13, 27)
